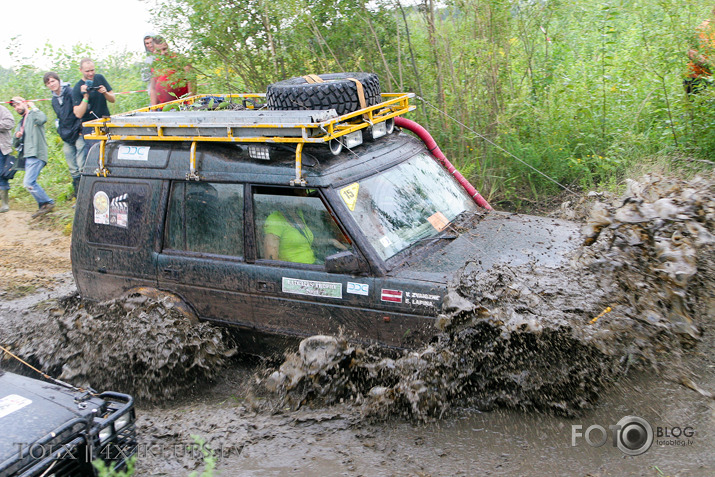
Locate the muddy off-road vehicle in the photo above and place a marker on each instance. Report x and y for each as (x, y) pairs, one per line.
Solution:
(315, 214)
(51, 430)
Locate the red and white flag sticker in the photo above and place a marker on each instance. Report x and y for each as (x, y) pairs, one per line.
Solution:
(394, 296)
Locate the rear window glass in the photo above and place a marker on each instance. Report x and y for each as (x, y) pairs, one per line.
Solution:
(206, 217)
(117, 211)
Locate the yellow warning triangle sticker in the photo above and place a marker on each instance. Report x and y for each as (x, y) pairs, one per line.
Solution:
(350, 195)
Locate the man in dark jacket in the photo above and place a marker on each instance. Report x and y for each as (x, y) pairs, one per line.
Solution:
(69, 126)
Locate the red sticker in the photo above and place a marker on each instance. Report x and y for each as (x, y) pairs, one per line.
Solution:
(394, 296)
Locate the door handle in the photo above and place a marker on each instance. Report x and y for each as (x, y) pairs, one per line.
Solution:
(171, 273)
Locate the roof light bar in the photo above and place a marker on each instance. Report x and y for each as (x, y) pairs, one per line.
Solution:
(259, 152)
(352, 139)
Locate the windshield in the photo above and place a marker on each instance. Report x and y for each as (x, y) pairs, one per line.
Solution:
(407, 203)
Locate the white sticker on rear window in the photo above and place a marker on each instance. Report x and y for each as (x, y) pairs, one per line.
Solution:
(12, 403)
(385, 241)
(101, 208)
(114, 212)
(133, 153)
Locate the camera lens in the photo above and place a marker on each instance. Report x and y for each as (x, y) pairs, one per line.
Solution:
(635, 435)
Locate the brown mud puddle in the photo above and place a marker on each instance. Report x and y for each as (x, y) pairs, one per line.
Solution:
(614, 334)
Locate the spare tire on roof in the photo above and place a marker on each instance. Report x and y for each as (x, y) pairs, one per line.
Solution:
(335, 92)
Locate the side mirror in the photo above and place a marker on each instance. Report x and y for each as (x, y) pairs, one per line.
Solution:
(344, 262)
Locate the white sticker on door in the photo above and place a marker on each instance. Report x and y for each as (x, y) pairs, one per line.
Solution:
(312, 288)
(358, 288)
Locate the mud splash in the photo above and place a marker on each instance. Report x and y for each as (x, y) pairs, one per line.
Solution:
(139, 345)
(546, 339)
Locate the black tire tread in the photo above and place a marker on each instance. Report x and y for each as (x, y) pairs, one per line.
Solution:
(337, 92)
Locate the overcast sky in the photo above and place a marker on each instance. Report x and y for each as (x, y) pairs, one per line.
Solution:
(108, 26)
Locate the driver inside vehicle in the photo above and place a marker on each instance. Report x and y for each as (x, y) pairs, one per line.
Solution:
(288, 236)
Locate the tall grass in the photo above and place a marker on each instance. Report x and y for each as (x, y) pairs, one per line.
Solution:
(577, 89)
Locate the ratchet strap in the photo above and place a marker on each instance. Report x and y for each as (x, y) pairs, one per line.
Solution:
(313, 79)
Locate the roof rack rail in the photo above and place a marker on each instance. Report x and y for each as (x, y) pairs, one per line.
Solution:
(180, 120)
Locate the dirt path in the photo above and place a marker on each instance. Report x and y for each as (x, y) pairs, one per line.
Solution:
(249, 438)
(31, 256)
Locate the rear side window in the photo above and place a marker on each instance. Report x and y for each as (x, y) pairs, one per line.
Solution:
(206, 217)
(117, 212)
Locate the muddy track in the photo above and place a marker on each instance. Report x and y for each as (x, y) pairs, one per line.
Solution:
(361, 414)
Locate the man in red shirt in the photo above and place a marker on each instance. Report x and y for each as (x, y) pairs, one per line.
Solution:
(702, 57)
(166, 84)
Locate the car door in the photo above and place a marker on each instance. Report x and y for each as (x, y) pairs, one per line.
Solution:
(202, 256)
(294, 292)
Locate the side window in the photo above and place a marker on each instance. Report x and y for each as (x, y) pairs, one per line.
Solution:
(293, 225)
(205, 218)
(117, 211)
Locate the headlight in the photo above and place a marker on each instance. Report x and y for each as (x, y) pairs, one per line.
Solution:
(105, 434)
(379, 130)
(122, 421)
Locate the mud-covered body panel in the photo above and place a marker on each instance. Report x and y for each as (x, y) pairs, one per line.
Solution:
(498, 238)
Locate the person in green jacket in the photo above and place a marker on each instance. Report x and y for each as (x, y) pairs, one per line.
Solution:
(288, 237)
(31, 144)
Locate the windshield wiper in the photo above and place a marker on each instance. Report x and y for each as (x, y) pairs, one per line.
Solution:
(435, 238)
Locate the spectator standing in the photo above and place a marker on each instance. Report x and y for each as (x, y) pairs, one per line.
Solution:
(7, 122)
(701, 54)
(166, 84)
(90, 96)
(31, 144)
(148, 60)
(69, 126)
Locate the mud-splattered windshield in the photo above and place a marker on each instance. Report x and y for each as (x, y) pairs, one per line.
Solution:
(405, 204)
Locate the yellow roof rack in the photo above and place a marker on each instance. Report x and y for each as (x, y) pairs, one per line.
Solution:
(181, 120)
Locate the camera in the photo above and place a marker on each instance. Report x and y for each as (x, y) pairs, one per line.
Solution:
(91, 86)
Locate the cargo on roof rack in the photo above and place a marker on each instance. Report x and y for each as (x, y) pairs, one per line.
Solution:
(238, 118)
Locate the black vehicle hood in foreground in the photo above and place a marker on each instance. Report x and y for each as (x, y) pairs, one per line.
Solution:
(498, 238)
(30, 409)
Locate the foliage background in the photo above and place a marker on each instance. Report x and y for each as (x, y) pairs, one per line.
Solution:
(583, 91)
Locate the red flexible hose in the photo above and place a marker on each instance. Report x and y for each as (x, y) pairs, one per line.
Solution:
(439, 155)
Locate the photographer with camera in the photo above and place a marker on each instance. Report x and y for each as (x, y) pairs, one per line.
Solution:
(90, 96)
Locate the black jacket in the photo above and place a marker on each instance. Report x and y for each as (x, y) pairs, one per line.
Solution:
(69, 126)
